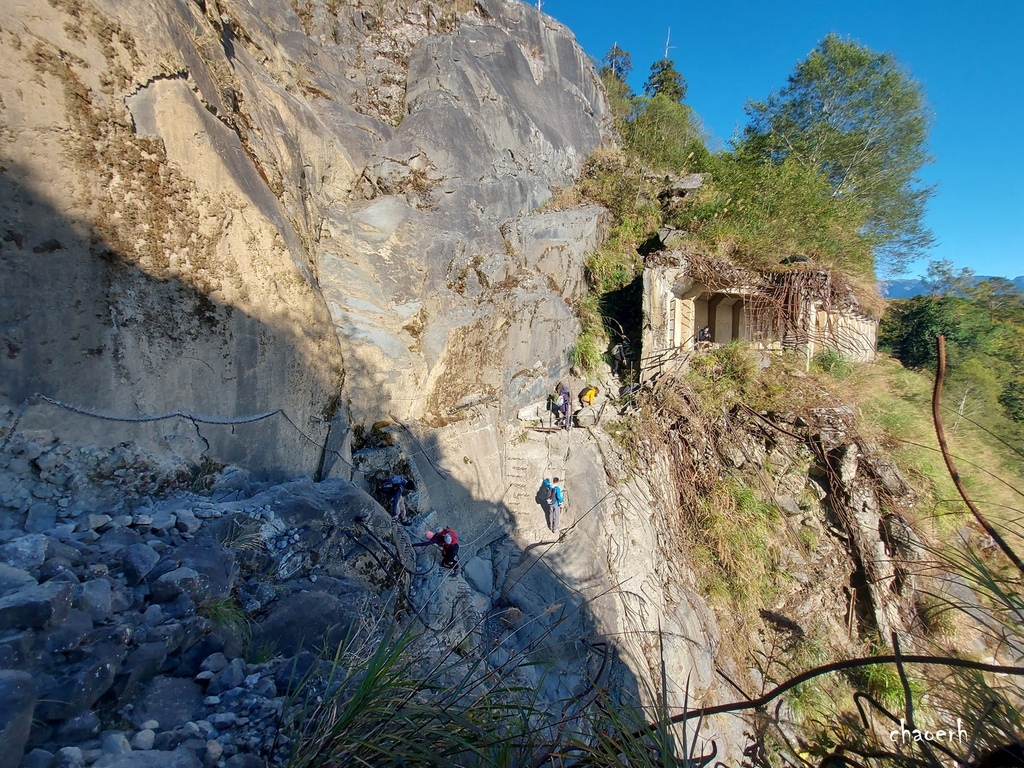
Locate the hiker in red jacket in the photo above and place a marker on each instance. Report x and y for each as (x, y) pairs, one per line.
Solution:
(448, 541)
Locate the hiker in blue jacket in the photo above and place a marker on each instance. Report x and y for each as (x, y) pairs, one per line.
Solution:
(394, 487)
(555, 500)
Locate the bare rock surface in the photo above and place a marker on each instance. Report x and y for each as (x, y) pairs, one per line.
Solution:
(257, 224)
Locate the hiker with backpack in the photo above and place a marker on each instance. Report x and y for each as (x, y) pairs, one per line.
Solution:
(565, 406)
(555, 501)
(448, 540)
(393, 487)
(620, 354)
(587, 395)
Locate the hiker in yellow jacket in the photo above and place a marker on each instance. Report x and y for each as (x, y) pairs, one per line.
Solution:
(587, 395)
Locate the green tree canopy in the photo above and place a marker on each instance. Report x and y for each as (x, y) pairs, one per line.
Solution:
(615, 68)
(910, 326)
(616, 63)
(1001, 296)
(942, 280)
(862, 120)
(765, 211)
(665, 81)
(998, 295)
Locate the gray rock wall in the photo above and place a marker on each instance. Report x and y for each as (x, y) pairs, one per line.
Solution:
(237, 212)
(440, 255)
(148, 269)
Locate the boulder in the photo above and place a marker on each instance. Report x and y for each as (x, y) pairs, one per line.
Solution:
(25, 552)
(198, 647)
(115, 743)
(121, 598)
(171, 701)
(137, 561)
(93, 597)
(69, 634)
(17, 702)
(539, 413)
(179, 758)
(308, 621)
(113, 541)
(12, 579)
(181, 608)
(35, 606)
(171, 585)
(587, 417)
(163, 521)
(186, 521)
(15, 648)
(38, 758)
(245, 761)
(92, 522)
(69, 757)
(229, 677)
(82, 684)
(142, 664)
(215, 565)
(143, 740)
(79, 728)
(292, 673)
(832, 426)
(58, 568)
(41, 518)
(230, 479)
(215, 662)
(479, 573)
(376, 461)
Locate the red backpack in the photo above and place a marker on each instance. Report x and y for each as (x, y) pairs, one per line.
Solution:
(450, 532)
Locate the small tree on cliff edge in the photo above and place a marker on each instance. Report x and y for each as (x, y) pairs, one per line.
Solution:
(617, 63)
(862, 120)
(615, 68)
(665, 81)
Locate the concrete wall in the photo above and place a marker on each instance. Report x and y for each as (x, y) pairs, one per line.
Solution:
(676, 307)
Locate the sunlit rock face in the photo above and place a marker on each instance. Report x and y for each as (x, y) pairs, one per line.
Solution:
(306, 213)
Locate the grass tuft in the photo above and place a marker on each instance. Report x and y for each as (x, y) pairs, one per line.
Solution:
(227, 613)
(734, 534)
(832, 363)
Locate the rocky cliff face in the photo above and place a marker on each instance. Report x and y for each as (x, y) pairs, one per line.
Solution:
(229, 234)
(297, 211)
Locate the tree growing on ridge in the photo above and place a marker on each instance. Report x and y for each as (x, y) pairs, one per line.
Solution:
(941, 280)
(862, 120)
(617, 63)
(615, 68)
(666, 81)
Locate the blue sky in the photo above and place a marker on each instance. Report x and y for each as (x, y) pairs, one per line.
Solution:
(965, 53)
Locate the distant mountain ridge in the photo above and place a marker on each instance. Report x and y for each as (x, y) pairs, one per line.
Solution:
(905, 289)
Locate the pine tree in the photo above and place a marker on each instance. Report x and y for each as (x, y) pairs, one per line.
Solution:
(617, 63)
(615, 68)
(665, 81)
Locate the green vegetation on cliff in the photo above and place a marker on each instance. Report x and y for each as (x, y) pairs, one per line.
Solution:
(757, 548)
(827, 168)
(983, 323)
